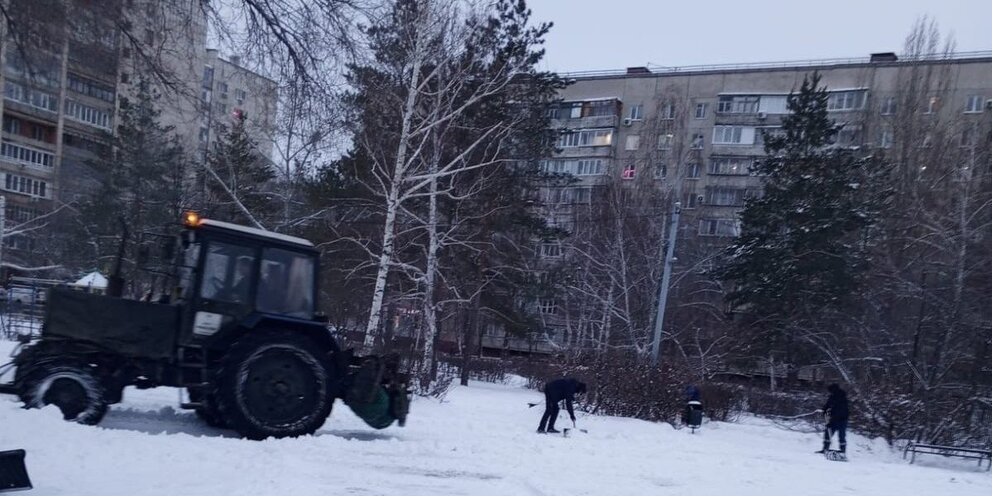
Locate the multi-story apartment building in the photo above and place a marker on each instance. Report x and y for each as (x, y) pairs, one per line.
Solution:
(693, 133)
(62, 95)
(230, 91)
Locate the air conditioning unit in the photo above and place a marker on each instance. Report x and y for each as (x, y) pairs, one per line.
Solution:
(627, 121)
(700, 199)
(988, 104)
(762, 115)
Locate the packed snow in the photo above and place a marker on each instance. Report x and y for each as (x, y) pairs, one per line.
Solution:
(479, 441)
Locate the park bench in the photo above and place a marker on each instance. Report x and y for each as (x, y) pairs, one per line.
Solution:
(932, 449)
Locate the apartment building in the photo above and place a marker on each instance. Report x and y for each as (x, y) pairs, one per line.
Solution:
(61, 98)
(693, 134)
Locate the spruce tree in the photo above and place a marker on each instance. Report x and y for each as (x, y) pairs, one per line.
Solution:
(142, 188)
(803, 250)
(239, 178)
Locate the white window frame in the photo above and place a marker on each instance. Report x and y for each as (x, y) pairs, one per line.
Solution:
(692, 170)
(551, 250)
(846, 101)
(733, 135)
(730, 166)
(665, 141)
(27, 155)
(590, 167)
(974, 104)
(633, 142)
(629, 170)
(886, 139)
(668, 111)
(636, 112)
(890, 105)
(700, 112)
(548, 306)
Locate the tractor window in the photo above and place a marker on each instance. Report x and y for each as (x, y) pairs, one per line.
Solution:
(227, 272)
(286, 286)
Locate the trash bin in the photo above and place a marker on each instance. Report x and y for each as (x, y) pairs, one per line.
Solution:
(694, 415)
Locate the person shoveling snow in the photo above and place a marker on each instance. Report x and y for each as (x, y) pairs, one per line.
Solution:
(554, 392)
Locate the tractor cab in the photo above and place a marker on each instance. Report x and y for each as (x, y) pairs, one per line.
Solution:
(231, 275)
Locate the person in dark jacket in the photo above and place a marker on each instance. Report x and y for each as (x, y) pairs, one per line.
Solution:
(836, 412)
(554, 392)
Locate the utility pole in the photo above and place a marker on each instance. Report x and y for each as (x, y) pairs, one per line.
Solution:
(666, 276)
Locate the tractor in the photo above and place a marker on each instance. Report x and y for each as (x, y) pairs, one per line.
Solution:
(238, 329)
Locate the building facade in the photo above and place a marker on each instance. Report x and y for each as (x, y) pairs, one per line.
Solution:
(692, 135)
(62, 94)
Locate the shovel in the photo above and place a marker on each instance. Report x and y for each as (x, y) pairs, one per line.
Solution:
(13, 473)
(565, 431)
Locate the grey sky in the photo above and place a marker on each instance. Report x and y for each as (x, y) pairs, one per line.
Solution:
(614, 34)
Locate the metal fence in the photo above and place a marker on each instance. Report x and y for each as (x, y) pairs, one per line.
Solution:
(22, 306)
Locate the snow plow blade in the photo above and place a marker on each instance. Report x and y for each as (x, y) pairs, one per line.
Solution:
(378, 393)
(13, 473)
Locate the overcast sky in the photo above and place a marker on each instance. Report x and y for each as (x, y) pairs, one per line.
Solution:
(614, 34)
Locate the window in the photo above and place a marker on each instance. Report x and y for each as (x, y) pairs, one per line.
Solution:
(32, 97)
(89, 115)
(974, 104)
(26, 155)
(731, 166)
(668, 111)
(590, 167)
(719, 227)
(889, 105)
(548, 306)
(222, 87)
(629, 170)
(700, 111)
(665, 141)
(846, 100)
(636, 112)
(286, 283)
(692, 170)
(572, 110)
(591, 137)
(660, 170)
(933, 104)
(733, 135)
(968, 137)
(726, 197)
(743, 104)
(100, 149)
(553, 113)
(25, 185)
(697, 141)
(11, 125)
(691, 200)
(633, 142)
(227, 273)
(550, 250)
(204, 133)
(557, 195)
(239, 95)
(848, 137)
(774, 104)
(582, 194)
(493, 330)
(885, 141)
(208, 77)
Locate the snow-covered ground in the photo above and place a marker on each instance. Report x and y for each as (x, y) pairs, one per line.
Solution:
(479, 441)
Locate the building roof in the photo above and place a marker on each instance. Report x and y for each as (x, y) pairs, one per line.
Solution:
(658, 70)
(256, 232)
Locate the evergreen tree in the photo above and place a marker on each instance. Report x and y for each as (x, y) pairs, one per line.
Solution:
(143, 186)
(239, 178)
(803, 249)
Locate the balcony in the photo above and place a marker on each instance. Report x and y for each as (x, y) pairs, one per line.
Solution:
(534, 343)
(586, 151)
(585, 122)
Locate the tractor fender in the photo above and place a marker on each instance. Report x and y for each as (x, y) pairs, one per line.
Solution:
(314, 330)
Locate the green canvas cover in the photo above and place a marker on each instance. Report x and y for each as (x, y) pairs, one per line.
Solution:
(128, 327)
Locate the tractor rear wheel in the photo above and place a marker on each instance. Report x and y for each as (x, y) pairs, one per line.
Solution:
(73, 387)
(274, 384)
